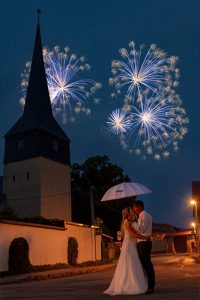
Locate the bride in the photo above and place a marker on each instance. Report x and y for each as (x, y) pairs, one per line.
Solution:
(129, 277)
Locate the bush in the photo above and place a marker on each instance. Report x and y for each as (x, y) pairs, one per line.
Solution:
(72, 251)
(19, 256)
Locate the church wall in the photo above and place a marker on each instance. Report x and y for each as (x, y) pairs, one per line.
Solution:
(55, 190)
(21, 184)
(38, 187)
(48, 245)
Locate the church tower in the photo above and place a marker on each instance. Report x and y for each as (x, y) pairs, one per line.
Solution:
(36, 178)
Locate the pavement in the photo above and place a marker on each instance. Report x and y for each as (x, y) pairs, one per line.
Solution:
(176, 259)
(50, 274)
(177, 278)
(164, 259)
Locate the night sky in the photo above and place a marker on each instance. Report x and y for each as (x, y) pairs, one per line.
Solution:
(98, 29)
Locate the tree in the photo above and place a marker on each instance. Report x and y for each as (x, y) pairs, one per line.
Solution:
(8, 213)
(93, 178)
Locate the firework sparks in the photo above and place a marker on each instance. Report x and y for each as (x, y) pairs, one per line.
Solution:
(158, 123)
(119, 122)
(147, 80)
(69, 95)
(136, 71)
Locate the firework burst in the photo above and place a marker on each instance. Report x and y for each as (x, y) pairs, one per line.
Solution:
(158, 123)
(69, 95)
(119, 122)
(139, 70)
(152, 120)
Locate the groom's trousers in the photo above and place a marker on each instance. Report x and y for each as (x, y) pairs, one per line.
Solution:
(144, 252)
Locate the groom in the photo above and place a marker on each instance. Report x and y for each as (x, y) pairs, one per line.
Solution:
(144, 226)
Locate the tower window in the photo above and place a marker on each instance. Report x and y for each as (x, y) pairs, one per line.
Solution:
(13, 178)
(55, 145)
(20, 145)
(27, 175)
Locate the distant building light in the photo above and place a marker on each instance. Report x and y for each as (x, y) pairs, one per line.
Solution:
(119, 236)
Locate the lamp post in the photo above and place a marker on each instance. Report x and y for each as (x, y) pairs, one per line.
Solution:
(194, 203)
(196, 224)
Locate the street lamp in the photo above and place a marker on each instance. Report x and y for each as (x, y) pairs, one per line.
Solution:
(194, 204)
(194, 227)
(196, 224)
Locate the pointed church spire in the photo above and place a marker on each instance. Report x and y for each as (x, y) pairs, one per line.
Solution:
(37, 126)
(38, 12)
(37, 98)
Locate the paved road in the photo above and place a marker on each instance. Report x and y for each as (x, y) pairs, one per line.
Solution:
(177, 278)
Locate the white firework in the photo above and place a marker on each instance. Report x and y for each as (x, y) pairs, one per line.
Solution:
(119, 122)
(69, 94)
(158, 123)
(139, 70)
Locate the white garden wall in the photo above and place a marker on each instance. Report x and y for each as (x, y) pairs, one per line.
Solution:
(89, 249)
(47, 244)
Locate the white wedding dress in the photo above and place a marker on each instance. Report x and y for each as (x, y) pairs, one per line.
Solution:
(129, 277)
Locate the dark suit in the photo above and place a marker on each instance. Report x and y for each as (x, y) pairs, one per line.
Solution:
(144, 252)
(144, 227)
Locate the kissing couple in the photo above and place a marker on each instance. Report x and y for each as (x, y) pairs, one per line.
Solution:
(134, 273)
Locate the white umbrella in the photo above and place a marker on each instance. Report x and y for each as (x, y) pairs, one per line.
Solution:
(125, 190)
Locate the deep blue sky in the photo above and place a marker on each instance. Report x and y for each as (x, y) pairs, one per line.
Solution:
(98, 29)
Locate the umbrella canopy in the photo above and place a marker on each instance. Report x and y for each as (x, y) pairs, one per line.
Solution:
(125, 190)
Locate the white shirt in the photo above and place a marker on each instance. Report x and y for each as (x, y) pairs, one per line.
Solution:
(144, 224)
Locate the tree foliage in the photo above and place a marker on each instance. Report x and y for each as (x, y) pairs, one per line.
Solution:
(99, 174)
(8, 213)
